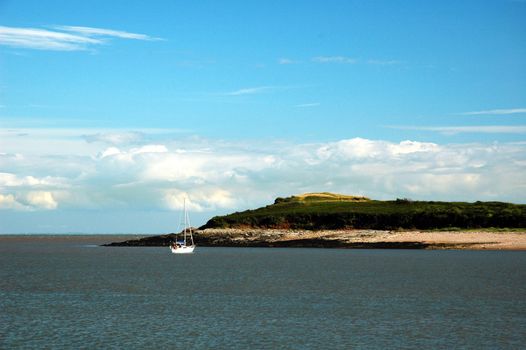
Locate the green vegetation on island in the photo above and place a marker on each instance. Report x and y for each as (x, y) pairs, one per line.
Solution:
(327, 211)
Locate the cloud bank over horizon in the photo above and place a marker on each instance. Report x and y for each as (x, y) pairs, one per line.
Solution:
(137, 170)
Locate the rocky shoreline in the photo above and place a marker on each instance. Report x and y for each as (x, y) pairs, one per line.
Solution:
(356, 239)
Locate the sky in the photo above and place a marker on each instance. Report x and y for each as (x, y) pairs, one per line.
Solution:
(112, 112)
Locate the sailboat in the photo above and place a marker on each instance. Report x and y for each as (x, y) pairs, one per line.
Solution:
(182, 247)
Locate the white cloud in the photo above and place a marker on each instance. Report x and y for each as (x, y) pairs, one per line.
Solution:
(30, 192)
(8, 201)
(12, 180)
(111, 151)
(42, 39)
(41, 199)
(89, 31)
(358, 148)
(149, 149)
(259, 90)
(199, 199)
(452, 130)
(62, 38)
(334, 59)
(497, 111)
(383, 62)
(115, 138)
(249, 91)
(407, 147)
(65, 141)
(29, 201)
(287, 61)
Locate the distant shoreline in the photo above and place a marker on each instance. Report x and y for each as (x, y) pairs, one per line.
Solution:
(513, 239)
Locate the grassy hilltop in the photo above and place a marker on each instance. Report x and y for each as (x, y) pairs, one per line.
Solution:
(322, 211)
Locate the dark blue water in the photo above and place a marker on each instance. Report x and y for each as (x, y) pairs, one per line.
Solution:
(60, 292)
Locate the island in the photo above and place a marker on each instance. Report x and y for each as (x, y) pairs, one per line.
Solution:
(327, 220)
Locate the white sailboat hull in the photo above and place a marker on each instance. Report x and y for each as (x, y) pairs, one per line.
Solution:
(183, 249)
(180, 247)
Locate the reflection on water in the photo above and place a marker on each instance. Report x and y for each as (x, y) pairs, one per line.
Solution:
(68, 292)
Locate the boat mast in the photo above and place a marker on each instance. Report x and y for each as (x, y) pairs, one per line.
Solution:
(185, 217)
(189, 228)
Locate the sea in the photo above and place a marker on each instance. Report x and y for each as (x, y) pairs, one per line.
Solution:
(60, 291)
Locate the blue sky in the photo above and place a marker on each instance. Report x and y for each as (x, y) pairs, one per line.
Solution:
(113, 110)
